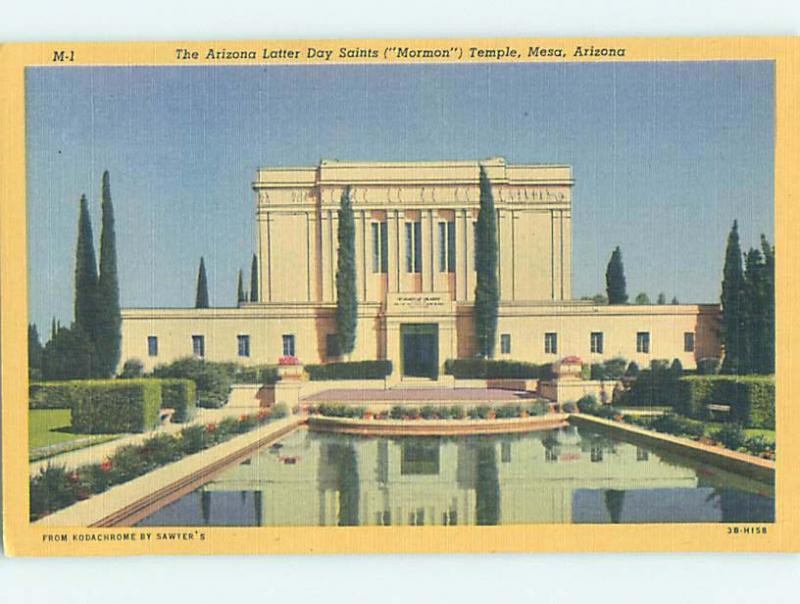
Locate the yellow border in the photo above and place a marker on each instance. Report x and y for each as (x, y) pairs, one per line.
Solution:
(23, 539)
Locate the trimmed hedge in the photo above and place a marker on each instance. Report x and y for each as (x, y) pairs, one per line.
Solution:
(355, 370)
(751, 398)
(483, 369)
(113, 406)
(51, 395)
(212, 380)
(256, 374)
(181, 395)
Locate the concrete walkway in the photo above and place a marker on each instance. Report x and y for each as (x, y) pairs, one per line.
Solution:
(100, 452)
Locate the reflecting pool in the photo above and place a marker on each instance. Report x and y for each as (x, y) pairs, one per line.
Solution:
(566, 475)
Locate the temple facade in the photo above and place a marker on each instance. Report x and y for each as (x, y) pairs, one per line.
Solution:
(415, 276)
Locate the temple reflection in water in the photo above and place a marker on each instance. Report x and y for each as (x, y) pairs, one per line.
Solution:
(558, 476)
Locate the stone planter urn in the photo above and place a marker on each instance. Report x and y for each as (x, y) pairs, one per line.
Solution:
(290, 368)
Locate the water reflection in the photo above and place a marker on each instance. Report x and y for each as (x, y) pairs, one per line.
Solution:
(558, 476)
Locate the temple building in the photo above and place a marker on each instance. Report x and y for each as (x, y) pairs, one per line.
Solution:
(415, 276)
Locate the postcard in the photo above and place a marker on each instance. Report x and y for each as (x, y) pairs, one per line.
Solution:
(355, 296)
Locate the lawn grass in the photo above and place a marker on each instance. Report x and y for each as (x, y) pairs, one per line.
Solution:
(47, 427)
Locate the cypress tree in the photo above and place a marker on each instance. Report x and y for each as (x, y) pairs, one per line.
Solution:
(768, 353)
(487, 296)
(86, 290)
(674, 300)
(108, 333)
(240, 295)
(35, 352)
(201, 297)
(615, 279)
(753, 309)
(254, 279)
(346, 302)
(662, 298)
(53, 328)
(732, 301)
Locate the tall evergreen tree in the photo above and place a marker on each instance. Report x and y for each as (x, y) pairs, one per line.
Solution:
(768, 354)
(732, 299)
(201, 297)
(86, 290)
(254, 279)
(108, 328)
(615, 279)
(240, 295)
(753, 312)
(662, 298)
(487, 295)
(35, 351)
(346, 301)
(53, 328)
(674, 300)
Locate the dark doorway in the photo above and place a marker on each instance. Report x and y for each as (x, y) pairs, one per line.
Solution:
(420, 350)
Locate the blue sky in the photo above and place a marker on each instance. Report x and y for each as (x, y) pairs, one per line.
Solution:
(665, 156)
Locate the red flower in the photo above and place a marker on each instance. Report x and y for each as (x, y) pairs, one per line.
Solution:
(244, 418)
(211, 427)
(106, 465)
(288, 360)
(74, 476)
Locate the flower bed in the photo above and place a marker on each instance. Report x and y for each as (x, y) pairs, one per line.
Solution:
(55, 487)
(433, 411)
(730, 436)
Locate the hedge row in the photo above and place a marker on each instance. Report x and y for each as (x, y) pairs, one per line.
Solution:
(356, 370)
(484, 369)
(51, 395)
(180, 395)
(114, 406)
(751, 398)
(111, 406)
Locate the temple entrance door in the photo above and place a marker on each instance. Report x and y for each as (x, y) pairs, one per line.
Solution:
(420, 355)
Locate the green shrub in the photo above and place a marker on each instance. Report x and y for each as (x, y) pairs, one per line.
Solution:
(127, 463)
(507, 411)
(677, 425)
(51, 395)
(612, 369)
(479, 412)
(656, 386)
(280, 410)
(587, 404)
(397, 412)
(161, 449)
(487, 369)
(538, 408)
(51, 489)
(212, 380)
(428, 412)
(756, 445)
(457, 412)
(256, 374)
(730, 435)
(355, 370)
(708, 366)
(180, 395)
(632, 370)
(569, 407)
(114, 406)
(751, 398)
(132, 369)
(192, 440)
